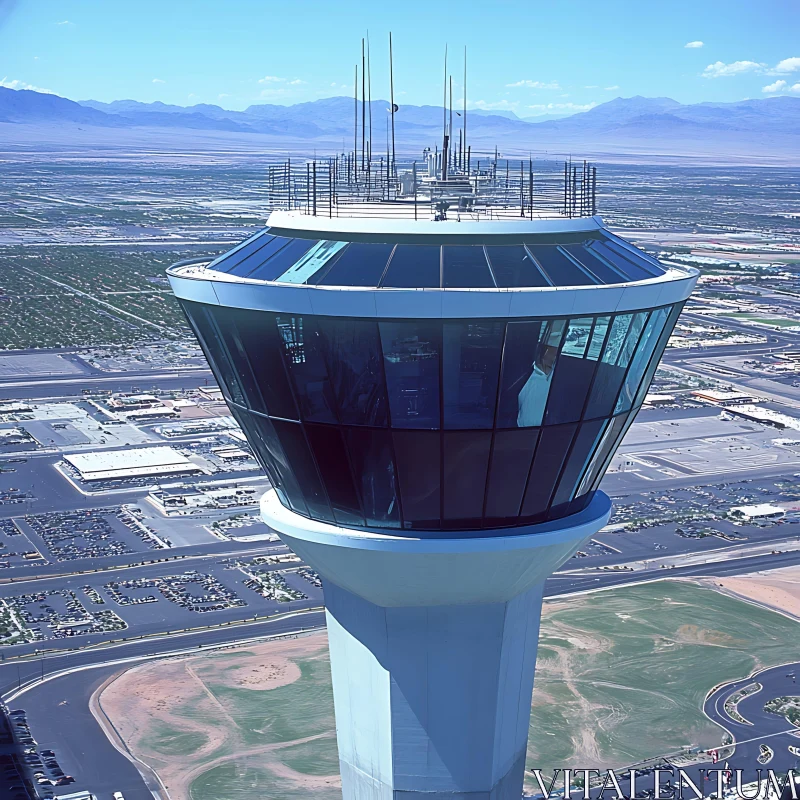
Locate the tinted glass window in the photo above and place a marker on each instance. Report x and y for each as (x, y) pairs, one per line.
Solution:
(303, 355)
(610, 375)
(227, 261)
(514, 267)
(599, 333)
(250, 256)
(411, 362)
(531, 398)
(646, 262)
(301, 462)
(283, 260)
(259, 336)
(327, 445)
(559, 269)
(633, 272)
(641, 358)
(519, 354)
(603, 453)
(573, 374)
(353, 356)
(317, 259)
(373, 469)
(210, 339)
(235, 347)
(597, 266)
(418, 472)
(512, 453)
(414, 266)
(265, 265)
(470, 370)
(551, 452)
(266, 442)
(465, 268)
(360, 265)
(583, 448)
(466, 462)
(659, 351)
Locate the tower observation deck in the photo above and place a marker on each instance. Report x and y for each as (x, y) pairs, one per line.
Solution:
(435, 388)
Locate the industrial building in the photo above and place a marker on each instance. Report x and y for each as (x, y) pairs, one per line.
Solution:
(435, 397)
(130, 463)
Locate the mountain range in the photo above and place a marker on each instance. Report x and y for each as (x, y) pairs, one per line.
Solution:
(769, 126)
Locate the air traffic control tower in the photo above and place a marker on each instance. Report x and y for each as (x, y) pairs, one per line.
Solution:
(435, 396)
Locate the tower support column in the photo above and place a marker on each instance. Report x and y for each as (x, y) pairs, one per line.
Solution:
(432, 701)
(433, 649)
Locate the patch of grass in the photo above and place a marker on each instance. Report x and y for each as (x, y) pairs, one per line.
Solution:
(171, 741)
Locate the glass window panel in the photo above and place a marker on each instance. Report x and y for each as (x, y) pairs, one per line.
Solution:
(514, 267)
(512, 452)
(262, 265)
(207, 333)
(228, 261)
(262, 346)
(470, 371)
(303, 355)
(602, 455)
(414, 266)
(301, 462)
(261, 434)
(418, 471)
(360, 265)
(283, 259)
(465, 268)
(573, 375)
(532, 350)
(641, 358)
(598, 337)
(315, 260)
(675, 312)
(632, 271)
(411, 363)
(373, 467)
(583, 448)
(466, 462)
(611, 369)
(641, 259)
(353, 356)
(604, 272)
(559, 269)
(244, 261)
(329, 452)
(230, 334)
(551, 452)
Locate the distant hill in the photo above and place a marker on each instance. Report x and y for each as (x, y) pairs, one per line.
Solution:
(763, 127)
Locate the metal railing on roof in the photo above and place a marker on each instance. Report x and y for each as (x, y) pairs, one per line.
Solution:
(489, 188)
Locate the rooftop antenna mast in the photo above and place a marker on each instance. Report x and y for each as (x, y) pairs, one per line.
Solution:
(369, 99)
(464, 123)
(450, 125)
(391, 100)
(355, 122)
(363, 104)
(444, 120)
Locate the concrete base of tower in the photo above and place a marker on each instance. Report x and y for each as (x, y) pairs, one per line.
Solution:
(433, 650)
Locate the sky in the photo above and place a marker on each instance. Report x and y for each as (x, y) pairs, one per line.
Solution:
(526, 56)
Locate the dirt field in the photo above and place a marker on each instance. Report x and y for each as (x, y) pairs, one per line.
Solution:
(621, 676)
(778, 589)
(193, 720)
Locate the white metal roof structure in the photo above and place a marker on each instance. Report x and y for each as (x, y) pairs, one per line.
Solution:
(130, 463)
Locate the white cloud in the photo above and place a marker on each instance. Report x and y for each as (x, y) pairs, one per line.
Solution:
(271, 79)
(158, 80)
(65, 22)
(721, 70)
(560, 108)
(786, 66)
(192, 96)
(593, 86)
(795, 88)
(778, 86)
(611, 88)
(296, 82)
(222, 96)
(534, 84)
(499, 105)
(17, 84)
(693, 45)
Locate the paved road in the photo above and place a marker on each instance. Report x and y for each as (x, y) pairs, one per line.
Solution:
(765, 728)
